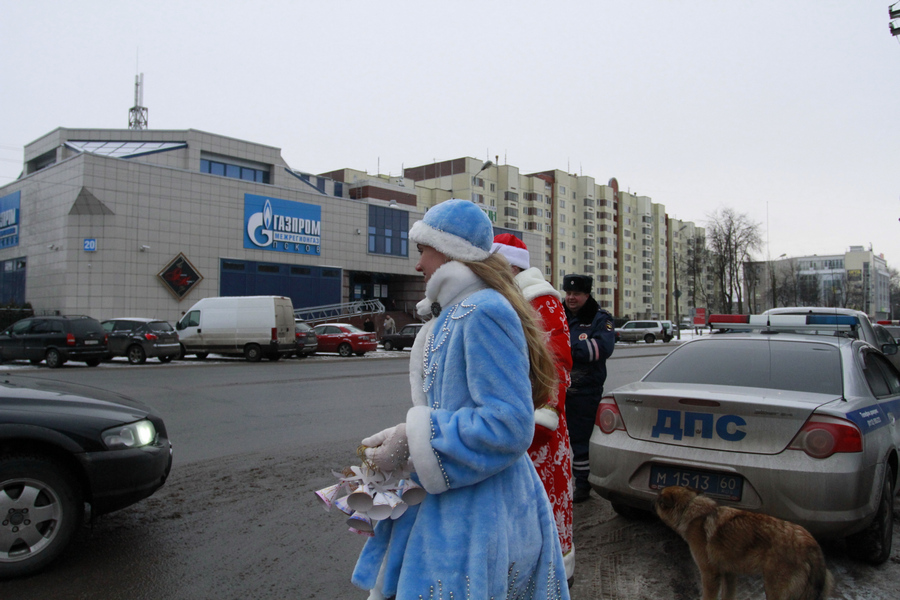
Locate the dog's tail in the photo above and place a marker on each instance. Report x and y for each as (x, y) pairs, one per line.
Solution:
(819, 584)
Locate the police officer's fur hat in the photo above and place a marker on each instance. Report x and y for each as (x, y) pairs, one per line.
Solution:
(578, 283)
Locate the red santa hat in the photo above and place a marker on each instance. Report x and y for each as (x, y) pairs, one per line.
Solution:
(513, 249)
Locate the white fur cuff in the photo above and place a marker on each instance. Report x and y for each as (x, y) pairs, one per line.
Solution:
(418, 433)
(546, 417)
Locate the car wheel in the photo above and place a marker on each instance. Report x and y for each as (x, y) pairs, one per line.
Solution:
(136, 355)
(345, 349)
(202, 355)
(41, 508)
(274, 356)
(53, 358)
(165, 359)
(873, 544)
(253, 353)
(629, 512)
(387, 345)
(94, 362)
(649, 338)
(181, 353)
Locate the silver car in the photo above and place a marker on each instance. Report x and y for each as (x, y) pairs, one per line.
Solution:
(797, 425)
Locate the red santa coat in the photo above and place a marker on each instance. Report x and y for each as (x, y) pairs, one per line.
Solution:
(550, 451)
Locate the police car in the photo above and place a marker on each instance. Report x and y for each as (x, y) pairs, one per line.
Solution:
(789, 415)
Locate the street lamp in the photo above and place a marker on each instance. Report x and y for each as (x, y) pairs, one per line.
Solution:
(677, 292)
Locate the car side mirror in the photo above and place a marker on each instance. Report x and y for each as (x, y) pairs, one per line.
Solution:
(889, 349)
(179, 326)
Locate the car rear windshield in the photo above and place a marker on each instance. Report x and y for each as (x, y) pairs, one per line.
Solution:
(779, 365)
(160, 326)
(83, 326)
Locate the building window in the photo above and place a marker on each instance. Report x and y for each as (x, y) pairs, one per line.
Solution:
(388, 231)
(234, 171)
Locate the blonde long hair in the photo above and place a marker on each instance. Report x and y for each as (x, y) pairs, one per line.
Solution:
(495, 272)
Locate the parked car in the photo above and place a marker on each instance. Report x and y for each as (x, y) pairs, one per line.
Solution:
(345, 339)
(307, 342)
(55, 340)
(62, 446)
(892, 327)
(866, 330)
(648, 331)
(138, 339)
(402, 339)
(791, 417)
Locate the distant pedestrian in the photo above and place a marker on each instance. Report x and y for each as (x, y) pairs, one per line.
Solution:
(593, 338)
(368, 325)
(389, 325)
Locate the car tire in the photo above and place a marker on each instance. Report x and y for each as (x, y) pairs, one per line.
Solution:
(56, 493)
(873, 544)
(274, 357)
(53, 358)
(387, 345)
(94, 362)
(165, 359)
(181, 353)
(202, 355)
(253, 353)
(649, 338)
(136, 354)
(345, 349)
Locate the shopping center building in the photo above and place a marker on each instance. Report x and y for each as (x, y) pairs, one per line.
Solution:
(129, 222)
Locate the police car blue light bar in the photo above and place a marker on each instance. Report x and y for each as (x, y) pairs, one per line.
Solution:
(809, 322)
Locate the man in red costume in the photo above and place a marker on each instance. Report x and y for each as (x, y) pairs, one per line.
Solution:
(550, 451)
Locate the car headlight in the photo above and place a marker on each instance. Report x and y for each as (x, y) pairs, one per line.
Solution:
(133, 435)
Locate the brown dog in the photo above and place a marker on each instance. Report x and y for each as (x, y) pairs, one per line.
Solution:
(726, 542)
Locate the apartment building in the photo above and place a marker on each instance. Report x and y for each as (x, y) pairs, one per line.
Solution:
(622, 240)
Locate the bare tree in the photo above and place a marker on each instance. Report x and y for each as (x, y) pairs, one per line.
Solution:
(731, 238)
(894, 292)
(785, 275)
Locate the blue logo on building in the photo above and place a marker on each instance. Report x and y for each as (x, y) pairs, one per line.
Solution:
(9, 219)
(282, 225)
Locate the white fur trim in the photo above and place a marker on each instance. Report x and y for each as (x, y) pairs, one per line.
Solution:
(418, 434)
(569, 563)
(547, 418)
(447, 244)
(517, 257)
(533, 285)
(417, 367)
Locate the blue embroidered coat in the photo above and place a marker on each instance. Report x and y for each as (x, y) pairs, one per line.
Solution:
(485, 529)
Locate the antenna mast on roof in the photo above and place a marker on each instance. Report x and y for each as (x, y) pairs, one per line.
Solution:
(137, 116)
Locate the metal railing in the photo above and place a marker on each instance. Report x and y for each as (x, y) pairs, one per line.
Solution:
(332, 312)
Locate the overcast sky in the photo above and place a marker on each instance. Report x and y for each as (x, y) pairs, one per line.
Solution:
(785, 110)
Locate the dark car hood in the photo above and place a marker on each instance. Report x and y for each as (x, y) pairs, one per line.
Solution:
(80, 412)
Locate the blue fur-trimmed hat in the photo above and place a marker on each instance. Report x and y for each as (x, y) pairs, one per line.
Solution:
(456, 228)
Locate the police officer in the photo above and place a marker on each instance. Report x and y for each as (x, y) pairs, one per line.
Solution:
(593, 339)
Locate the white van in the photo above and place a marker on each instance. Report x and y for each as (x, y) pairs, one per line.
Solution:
(254, 326)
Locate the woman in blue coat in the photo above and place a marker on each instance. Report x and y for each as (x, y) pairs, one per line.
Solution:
(477, 370)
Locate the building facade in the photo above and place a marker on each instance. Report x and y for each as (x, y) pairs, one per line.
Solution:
(857, 279)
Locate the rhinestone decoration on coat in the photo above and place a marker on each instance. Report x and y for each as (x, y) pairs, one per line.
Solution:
(554, 589)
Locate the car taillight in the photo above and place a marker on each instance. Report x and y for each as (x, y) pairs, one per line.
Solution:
(274, 334)
(150, 337)
(70, 339)
(823, 436)
(608, 417)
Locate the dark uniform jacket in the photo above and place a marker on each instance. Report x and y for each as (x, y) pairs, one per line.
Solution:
(593, 339)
